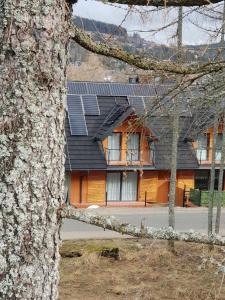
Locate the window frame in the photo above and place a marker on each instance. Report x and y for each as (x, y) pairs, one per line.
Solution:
(120, 144)
(203, 148)
(139, 147)
(121, 186)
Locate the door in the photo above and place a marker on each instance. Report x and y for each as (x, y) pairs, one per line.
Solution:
(163, 187)
(83, 188)
(129, 187)
(122, 186)
(113, 186)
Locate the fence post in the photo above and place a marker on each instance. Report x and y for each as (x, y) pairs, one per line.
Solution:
(184, 196)
(106, 199)
(145, 198)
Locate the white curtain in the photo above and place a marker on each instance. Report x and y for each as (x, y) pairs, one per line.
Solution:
(114, 147)
(218, 146)
(202, 148)
(133, 147)
(67, 184)
(113, 186)
(129, 187)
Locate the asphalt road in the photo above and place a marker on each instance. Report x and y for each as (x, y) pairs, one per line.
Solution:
(186, 219)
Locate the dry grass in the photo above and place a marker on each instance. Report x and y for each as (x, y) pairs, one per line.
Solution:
(147, 270)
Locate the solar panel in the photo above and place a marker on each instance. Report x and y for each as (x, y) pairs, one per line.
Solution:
(121, 89)
(99, 89)
(138, 104)
(77, 87)
(90, 104)
(150, 103)
(76, 115)
(143, 90)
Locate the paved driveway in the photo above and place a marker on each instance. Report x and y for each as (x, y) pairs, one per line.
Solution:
(186, 219)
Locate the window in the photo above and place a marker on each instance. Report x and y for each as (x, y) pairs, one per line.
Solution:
(129, 187)
(113, 186)
(114, 142)
(218, 146)
(152, 151)
(202, 147)
(133, 142)
(122, 186)
(202, 180)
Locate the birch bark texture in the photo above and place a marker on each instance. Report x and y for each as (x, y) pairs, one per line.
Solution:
(212, 175)
(33, 52)
(175, 136)
(220, 181)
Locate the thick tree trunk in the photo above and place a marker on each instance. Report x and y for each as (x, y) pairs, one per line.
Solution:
(33, 46)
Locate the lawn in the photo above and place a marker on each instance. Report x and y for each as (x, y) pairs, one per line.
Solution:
(144, 270)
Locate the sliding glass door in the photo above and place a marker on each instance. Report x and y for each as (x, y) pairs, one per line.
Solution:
(122, 186)
(113, 186)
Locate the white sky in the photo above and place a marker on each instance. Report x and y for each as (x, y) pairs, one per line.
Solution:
(115, 15)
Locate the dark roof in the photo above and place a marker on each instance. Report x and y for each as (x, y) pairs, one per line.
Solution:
(186, 158)
(115, 117)
(86, 153)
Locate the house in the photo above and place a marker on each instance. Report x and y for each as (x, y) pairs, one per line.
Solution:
(117, 154)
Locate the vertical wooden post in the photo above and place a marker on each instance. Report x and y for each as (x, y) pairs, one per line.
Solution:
(145, 198)
(184, 196)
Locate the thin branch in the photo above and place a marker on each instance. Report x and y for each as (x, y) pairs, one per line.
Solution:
(167, 2)
(85, 41)
(167, 233)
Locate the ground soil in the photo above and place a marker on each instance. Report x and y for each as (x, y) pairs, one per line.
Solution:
(145, 270)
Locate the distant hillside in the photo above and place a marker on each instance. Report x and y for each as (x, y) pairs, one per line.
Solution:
(207, 51)
(98, 26)
(135, 44)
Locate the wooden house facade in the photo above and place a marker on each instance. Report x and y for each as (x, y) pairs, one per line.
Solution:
(118, 147)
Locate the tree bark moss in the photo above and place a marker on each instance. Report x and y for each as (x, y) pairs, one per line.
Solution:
(33, 53)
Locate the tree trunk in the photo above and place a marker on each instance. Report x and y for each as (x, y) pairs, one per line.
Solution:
(33, 48)
(212, 177)
(222, 28)
(173, 169)
(220, 183)
(175, 126)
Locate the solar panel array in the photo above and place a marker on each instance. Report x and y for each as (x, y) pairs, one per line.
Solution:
(90, 104)
(116, 89)
(138, 104)
(82, 100)
(76, 115)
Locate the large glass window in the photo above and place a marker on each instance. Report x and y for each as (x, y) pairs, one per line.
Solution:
(129, 187)
(113, 186)
(202, 180)
(202, 147)
(114, 142)
(122, 186)
(218, 146)
(133, 143)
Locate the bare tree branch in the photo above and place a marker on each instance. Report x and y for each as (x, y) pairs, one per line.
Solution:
(85, 41)
(166, 233)
(166, 2)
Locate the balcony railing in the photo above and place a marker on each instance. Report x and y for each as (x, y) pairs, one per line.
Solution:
(205, 155)
(129, 155)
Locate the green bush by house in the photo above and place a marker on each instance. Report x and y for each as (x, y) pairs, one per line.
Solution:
(201, 198)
